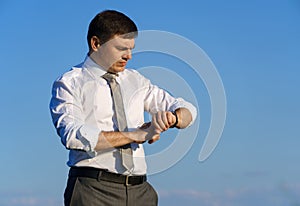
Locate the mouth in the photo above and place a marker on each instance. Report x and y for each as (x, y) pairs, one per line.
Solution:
(123, 63)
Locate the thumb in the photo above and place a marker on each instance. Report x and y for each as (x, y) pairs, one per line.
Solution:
(154, 139)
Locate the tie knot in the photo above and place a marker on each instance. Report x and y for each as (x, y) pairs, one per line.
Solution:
(110, 76)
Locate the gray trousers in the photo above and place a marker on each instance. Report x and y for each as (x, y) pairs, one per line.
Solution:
(84, 191)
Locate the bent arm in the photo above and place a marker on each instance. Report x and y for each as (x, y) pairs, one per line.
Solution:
(108, 140)
(158, 101)
(69, 120)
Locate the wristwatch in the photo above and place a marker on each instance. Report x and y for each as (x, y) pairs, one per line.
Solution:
(176, 122)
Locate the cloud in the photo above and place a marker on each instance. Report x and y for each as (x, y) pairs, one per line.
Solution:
(285, 194)
(24, 201)
(256, 174)
(185, 197)
(27, 199)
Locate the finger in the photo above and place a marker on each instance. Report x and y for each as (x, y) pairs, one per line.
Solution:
(171, 118)
(154, 139)
(165, 119)
(160, 121)
(140, 142)
(154, 123)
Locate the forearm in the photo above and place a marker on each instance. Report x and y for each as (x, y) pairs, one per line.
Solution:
(108, 140)
(184, 118)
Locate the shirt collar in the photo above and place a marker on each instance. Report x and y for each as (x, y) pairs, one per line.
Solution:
(93, 67)
(96, 69)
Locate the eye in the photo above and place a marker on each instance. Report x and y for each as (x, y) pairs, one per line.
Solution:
(121, 48)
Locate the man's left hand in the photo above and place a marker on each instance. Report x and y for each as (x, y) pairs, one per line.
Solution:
(163, 120)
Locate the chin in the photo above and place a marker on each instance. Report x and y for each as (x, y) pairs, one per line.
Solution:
(116, 70)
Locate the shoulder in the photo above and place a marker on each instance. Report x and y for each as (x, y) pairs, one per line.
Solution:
(73, 79)
(76, 76)
(71, 74)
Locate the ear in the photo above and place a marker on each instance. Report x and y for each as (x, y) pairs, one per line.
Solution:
(95, 43)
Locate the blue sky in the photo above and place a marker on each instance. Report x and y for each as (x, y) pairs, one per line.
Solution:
(255, 48)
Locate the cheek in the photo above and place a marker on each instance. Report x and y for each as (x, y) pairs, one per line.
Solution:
(112, 57)
(107, 59)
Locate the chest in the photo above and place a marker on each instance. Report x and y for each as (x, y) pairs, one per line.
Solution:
(96, 99)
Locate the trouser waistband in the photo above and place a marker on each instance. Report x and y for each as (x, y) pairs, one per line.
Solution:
(101, 174)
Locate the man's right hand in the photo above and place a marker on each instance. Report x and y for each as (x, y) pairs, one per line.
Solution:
(152, 134)
(147, 132)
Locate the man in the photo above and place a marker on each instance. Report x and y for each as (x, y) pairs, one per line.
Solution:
(98, 111)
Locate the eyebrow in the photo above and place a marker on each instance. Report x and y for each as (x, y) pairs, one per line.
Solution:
(124, 47)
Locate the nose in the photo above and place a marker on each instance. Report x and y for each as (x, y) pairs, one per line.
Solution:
(128, 54)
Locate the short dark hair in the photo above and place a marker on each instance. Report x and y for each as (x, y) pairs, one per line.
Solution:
(109, 23)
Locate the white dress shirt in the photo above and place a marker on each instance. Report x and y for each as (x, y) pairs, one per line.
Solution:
(81, 107)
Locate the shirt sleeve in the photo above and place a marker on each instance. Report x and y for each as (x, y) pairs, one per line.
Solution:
(68, 118)
(158, 99)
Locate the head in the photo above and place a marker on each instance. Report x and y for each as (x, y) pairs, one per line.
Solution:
(111, 38)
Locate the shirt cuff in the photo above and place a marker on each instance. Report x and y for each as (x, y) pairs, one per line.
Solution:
(181, 103)
(89, 137)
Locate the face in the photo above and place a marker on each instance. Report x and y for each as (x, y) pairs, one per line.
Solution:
(114, 54)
